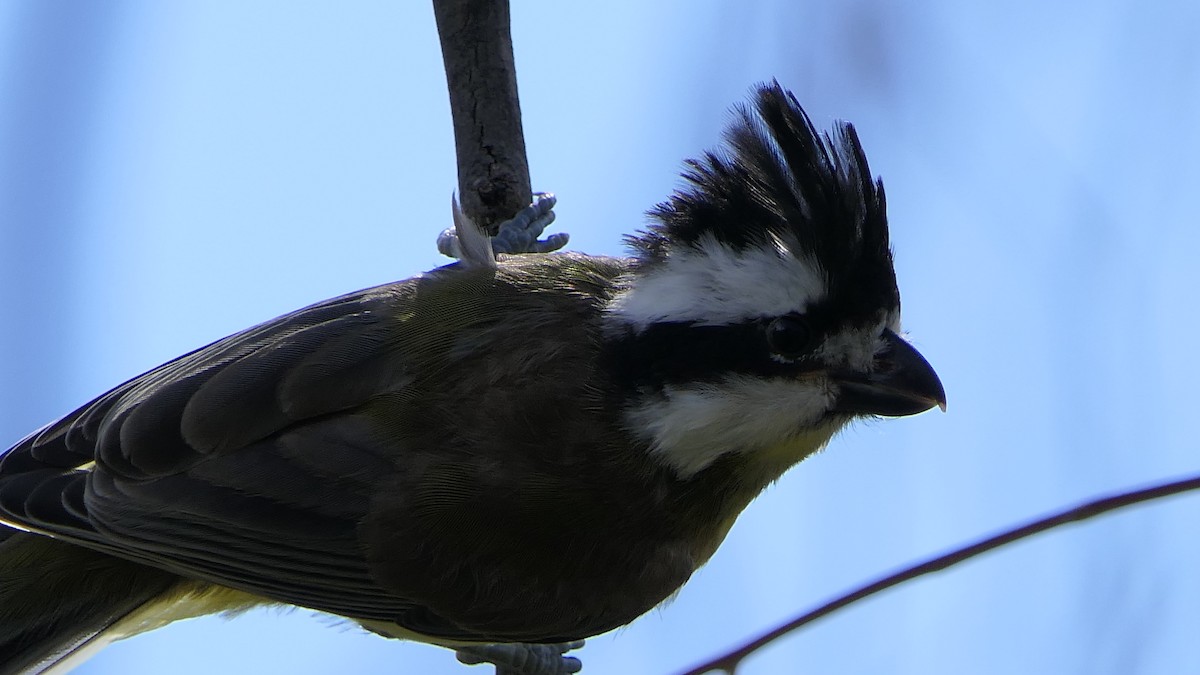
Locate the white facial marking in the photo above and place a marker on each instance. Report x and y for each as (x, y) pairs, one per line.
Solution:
(690, 426)
(711, 283)
(854, 348)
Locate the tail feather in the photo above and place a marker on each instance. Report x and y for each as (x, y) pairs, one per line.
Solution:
(56, 597)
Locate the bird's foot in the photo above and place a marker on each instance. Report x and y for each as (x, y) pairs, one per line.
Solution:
(518, 234)
(524, 659)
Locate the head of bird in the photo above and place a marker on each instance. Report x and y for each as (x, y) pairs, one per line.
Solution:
(762, 313)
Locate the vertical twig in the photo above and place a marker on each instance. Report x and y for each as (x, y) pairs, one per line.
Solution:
(493, 171)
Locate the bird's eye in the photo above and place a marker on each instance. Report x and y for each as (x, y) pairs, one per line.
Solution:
(789, 336)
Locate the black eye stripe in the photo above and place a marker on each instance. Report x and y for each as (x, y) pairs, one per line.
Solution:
(670, 353)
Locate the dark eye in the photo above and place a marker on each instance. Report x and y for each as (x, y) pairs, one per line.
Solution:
(789, 336)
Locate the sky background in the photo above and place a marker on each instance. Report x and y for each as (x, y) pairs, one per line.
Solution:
(174, 172)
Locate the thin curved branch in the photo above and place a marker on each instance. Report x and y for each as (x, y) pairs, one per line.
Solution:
(729, 662)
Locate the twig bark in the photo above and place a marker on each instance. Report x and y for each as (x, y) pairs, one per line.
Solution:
(493, 171)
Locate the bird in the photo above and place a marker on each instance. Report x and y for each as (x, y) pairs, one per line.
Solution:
(532, 448)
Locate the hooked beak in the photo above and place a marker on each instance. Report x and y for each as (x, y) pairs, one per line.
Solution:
(902, 383)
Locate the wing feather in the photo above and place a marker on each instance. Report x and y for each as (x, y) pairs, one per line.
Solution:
(268, 461)
(228, 463)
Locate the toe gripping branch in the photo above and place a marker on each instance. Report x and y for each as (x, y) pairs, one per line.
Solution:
(524, 659)
(518, 234)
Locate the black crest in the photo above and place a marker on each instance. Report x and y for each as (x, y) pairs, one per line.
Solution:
(778, 178)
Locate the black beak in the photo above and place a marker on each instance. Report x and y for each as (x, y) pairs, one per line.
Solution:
(902, 383)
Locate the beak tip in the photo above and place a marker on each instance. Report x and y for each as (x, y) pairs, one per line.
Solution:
(904, 384)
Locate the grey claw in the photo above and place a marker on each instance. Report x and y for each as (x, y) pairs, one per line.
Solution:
(517, 234)
(524, 659)
(520, 233)
(551, 243)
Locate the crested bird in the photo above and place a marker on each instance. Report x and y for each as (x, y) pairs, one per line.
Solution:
(532, 449)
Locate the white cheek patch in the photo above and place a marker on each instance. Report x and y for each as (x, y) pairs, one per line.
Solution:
(689, 427)
(712, 283)
(857, 348)
(854, 349)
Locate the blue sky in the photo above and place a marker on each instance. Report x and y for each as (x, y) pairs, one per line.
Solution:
(174, 172)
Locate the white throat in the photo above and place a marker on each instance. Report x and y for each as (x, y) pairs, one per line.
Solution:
(690, 426)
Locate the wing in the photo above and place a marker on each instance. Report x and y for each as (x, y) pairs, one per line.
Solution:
(253, 462)
(230, 462)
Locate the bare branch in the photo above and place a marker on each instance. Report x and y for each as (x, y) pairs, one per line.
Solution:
(729, 661)
(493, 171)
